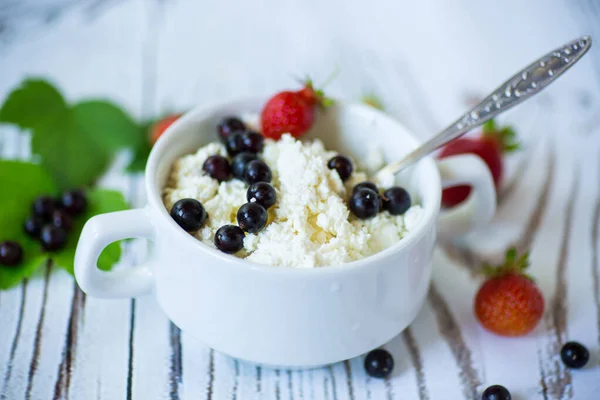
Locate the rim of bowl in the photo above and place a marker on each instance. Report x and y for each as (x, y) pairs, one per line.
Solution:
(154, 199)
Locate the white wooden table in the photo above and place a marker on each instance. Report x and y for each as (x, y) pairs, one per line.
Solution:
(424, 59)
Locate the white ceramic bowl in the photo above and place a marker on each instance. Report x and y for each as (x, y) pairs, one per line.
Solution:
(278, 316)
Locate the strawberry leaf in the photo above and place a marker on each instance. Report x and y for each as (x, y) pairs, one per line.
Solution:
(32, 104)
(12, 276)
(490, 126)
(99, 201)
(142, 151)
(74, 143)
(72, 157)
(26, 181)
(511, 254)
(513, 264)
(140, 158)
(107, 125)
(505, 136)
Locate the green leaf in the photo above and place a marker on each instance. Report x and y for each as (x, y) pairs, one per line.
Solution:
(141, 153)
(107, 125)
(12, 276)
(140, 158)
(26, 182)
(99, 201)
(490, 126)
(74, 143)
(69, 154)
(32, 104)
(511, 255)
(21, 182)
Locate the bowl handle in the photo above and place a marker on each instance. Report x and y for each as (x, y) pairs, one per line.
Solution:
(99, 232)
(479, 208)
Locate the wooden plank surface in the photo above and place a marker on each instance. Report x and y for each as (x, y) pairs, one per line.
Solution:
(424, 59)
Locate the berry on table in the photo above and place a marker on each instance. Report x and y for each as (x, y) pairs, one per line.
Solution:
(234, 143)
(252, 217)
(33, 226)
(379, 363)
(292, 112)
(252, 142)
(574, 355)
(496, 392)
(43, 207)
(365, 185)
(365, 203)
(61, 219)
(189, 214)
(217, 167)
(262, 193)
(228, 125)
(11, 253)
(257, 171)
(239, 162)
(493, 143)
(160, 126)
(396, 200)
(509, 303)
(74, 202)
(53, 238)
(342, 165)
(229, 239)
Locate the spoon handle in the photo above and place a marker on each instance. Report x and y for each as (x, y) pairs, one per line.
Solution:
(525, 84)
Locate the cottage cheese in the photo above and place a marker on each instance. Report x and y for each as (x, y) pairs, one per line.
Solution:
(309, 226)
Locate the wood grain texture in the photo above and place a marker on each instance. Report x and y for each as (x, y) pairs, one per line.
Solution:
(156, 56)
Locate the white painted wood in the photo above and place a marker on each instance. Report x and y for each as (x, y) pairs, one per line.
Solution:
(422, 59)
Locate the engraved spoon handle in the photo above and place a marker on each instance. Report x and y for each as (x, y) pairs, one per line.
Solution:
(525, 84)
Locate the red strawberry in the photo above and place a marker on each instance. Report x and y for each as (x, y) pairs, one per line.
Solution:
(509, 303)
(291, 112)
(490, 146)
(160, 126)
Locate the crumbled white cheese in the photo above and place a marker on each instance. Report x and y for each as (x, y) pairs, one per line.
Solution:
(309, 226)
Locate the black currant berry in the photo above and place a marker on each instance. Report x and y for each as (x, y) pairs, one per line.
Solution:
(74, 202)
(228, 125)
(43, 207)
(229, 239)
(11, 253)
(379, 363)
(239, 162)
(365, 185)
(396, 200)
(365, 203)
(496, 392)
(262, 193)
(257, 171)
(342, 165)
(252, 217)
(53, 238)
(574, 355)
(189, 214)
(33, 226)
(217, 167)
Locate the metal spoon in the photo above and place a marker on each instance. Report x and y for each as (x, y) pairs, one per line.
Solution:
(524, 85)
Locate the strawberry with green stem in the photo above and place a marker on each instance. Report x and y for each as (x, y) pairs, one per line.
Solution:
(292, 112)
(509, 303)
(493, 143)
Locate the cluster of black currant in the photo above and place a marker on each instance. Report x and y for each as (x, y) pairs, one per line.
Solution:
(49, 223)
(365, 201)
(243, 146)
